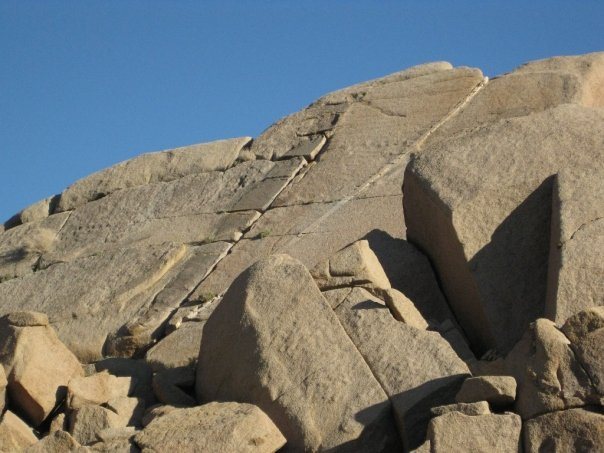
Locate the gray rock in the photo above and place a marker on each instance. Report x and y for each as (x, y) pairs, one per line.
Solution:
(291, 351)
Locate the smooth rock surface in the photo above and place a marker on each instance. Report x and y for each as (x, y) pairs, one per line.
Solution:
(212, 427)
(494, 272)
(291, 351)
(179, 349)
(96, 389)
(37, 364)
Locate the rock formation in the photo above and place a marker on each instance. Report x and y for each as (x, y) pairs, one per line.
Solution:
(413, 263)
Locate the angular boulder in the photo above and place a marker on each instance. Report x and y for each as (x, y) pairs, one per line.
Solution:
(15, 435)
(495, 271)
(293, 360)
(417, 369)
(213, 427)
(98, 388)
(548, 375)
(37, 365)
(497, 390)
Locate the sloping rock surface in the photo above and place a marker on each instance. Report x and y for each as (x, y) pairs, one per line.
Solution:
(437, 224)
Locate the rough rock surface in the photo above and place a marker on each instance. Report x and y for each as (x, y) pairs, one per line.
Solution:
(291, 351)
(497, 390)
(456, 432)
(213, 427)
(430, 182)
(495, 161)
(569, 430)
(15, 435)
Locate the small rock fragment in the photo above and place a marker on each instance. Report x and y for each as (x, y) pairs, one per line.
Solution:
(497, 390)
(355, 265)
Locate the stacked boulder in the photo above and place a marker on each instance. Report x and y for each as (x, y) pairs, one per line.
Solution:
(409, 264)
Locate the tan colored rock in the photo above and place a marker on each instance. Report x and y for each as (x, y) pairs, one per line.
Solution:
(291, 350)
(130, 410)
(352, 266)
(169, 385)
(159, 410)
(151, 168)
(140, 288)
(403, 309)
(561, 431)
(98, 389)
(547, 373)
(179, 349)
(455, 432)
(213, 427)
(56, 442)
(37, 365)
(417, 369)
(3, 384)
(577, 238)
(193, 209)
(590, 352)
(476, 408)
(139, 372)
(87, 422)
(191, 313)
(308, 150)
(15, 435)
(379, 126)
(501, 174)
(582, 323)
(39, 210)
(59, 423)
(21, 247)
(497, 390)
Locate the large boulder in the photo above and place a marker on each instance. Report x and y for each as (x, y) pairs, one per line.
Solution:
(478, 199)
(37, 365)
(294, 361)
(15, 435)
(547, 372)
(417, 369)
(569, 430)
(213, 427)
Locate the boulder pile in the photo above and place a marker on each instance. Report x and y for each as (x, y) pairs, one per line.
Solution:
(413, 263)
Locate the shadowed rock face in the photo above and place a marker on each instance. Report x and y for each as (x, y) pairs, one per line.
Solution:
(441, 215)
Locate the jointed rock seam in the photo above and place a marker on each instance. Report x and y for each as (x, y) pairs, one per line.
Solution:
(410, 264)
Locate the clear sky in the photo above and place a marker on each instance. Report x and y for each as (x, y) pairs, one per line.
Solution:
(85, 84)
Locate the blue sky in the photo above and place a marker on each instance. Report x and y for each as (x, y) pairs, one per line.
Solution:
(85, 84)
